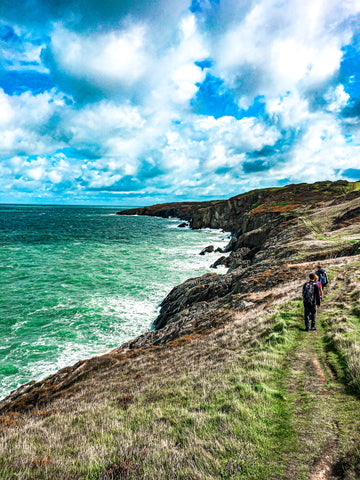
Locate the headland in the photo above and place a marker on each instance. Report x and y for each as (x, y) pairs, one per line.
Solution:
(227, 384)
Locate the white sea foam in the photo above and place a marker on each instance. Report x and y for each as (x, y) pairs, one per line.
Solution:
(84, 298)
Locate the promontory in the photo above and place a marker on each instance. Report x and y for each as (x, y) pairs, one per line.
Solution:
(228, 384)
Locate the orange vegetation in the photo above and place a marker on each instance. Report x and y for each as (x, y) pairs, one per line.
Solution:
(274, 208)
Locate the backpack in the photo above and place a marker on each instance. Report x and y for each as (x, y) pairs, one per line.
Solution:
(322, 277)
(309, 293)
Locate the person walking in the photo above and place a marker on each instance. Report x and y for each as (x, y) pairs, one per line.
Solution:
(319, 284)
(321, 273)
(311, 300)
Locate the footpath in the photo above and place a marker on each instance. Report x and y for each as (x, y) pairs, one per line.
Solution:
(324, 412)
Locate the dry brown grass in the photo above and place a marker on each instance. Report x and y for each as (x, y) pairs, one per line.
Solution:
(157, 406)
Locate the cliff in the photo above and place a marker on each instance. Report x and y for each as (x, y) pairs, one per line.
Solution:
(251, 210)
(272, 228)
(228, 377)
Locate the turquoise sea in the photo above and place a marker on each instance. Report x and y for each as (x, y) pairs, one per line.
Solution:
(78, 281)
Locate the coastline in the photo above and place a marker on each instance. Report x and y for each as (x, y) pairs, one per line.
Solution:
(229, 367)
(197, 296)
(192, 246)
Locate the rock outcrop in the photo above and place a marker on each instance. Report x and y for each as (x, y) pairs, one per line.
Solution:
(279, 235)
(208, 249)
(272, 228)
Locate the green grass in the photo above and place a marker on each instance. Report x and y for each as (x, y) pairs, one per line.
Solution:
(195, 421)
(342, 323)
(355, 186)
(243, 402)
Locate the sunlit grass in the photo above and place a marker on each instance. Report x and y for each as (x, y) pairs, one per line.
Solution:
(208, 407)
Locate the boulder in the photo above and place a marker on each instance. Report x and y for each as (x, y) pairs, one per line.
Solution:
(183, 225)
(208, 249)
(220, 261)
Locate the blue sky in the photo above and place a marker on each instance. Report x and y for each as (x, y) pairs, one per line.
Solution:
(134, 102)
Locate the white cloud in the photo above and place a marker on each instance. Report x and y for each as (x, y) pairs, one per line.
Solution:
(23, 119)
(35, 173)
(54, 176)
(246, 134)
(337, 98)
(139, 77)
(320, 153)
(290, 110)
(292, 45)
(109, 60)
(6, 112)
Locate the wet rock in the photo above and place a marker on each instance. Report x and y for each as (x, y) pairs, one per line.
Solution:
(183, 225)
(231, 245)
(208, 249)
(220, 261)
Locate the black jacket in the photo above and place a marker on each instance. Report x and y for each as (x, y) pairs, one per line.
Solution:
(316, 296)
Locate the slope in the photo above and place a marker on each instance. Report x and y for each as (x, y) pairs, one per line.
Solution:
(228, 386)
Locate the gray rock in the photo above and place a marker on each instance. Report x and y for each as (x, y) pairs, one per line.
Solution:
(231, 245)
(208, 249)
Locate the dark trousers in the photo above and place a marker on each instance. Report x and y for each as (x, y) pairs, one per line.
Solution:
(310, 316)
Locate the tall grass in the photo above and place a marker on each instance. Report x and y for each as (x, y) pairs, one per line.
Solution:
(207, 408)
(342, 324)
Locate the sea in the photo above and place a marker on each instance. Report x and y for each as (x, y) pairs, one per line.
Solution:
(78, 281)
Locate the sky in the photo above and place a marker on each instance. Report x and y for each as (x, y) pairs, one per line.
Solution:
(136, 102)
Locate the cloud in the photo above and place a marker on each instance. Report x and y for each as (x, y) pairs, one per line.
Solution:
(280, 47)
(175, 99)
(90, 15)
(117, 61)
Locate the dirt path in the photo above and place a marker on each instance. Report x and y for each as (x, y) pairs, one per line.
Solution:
(313, 390)
(318, 398)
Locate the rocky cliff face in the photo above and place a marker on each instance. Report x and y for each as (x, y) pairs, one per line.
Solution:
(277, 232)
(252, 210)
(280, 235)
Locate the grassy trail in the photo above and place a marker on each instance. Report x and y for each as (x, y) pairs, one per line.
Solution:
(321, 442)
(259, 399)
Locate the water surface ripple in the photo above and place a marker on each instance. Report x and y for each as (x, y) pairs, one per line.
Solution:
(77, 281)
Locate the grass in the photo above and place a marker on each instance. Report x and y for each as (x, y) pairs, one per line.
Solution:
(343, 328)
(220, 401)
(355, 186)
(244, 401)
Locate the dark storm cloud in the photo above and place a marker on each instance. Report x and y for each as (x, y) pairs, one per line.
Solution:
(84, 15)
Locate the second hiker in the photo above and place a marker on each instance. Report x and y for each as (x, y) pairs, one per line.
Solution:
(323, 278)
(319, 284)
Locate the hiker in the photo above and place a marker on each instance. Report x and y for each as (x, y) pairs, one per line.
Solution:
(311, 299)
(319, 284)
(320, 272)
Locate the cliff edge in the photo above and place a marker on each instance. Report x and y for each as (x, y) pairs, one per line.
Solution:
(228, 383)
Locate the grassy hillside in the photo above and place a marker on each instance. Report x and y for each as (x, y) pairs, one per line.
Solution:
(257, 399)
(232, 387)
